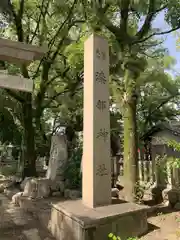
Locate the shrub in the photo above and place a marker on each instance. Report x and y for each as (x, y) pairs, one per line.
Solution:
(114, 237)
(73, 169)
(9, 170)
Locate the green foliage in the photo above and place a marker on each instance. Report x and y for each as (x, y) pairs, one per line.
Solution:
(9, 170)
(165, 164)
(73, 170)
(64, 26)
(6, 168)
(141, 187)
(172, 161)
(175, 145)
(157, 105)
(114, 237)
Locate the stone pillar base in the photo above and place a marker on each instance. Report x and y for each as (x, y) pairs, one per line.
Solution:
(156, 191)
(71, 220)
(171, 195)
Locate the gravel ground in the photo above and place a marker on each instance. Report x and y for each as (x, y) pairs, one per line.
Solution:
(17, 225)
(164, 226)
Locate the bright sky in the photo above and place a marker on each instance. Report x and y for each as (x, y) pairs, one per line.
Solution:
(170, 40)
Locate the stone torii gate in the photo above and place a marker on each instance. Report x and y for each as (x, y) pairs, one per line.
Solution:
(18, 53)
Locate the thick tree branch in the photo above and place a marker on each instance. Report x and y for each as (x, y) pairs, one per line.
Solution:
(62, 75)
(124, 15)
(112, 28)
(38, 68)
(52, 59)
(66, 90)
(162, 8)
(151, 131)
(39, 19)
(47, 64)
(54, 98)
(21, 9)
(150, 56)
(165, 101)
(43, 87)
(57, 50)
(152, 44)
(156, 34)
(101, 14)
(51, 43)
(5, 8)
(15, 95)
(147, 23)
(40, 95)
(17, 20)
(28, 31)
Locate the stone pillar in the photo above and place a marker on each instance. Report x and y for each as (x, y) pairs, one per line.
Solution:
(175, 178)
(150, 172)
(153, 154)
(19, 165)
(140, 170)
(146, 170)
(96, 130)
(9, 152)
(169, 176)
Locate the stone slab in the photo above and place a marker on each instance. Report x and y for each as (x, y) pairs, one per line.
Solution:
(72, 220)
(16, 82)
(18, 52)
(32, 234)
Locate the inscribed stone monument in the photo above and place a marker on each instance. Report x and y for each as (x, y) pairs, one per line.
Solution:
(84, 219)
(58, 157)
(96, 164)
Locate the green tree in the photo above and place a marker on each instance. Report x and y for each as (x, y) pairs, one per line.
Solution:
(123, 18)
(156, 109)
(41, 22)
(11, 130)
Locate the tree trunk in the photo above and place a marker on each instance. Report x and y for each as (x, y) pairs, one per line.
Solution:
(130, 150)
(29, 144)
(130, 144)
(146, 151)
(70, 134)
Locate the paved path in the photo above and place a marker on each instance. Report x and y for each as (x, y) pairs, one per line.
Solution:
(164, 227)
(15, 224)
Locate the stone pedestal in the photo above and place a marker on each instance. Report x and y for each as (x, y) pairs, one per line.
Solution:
(162, 179)
(71, 220)
(171, 194)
